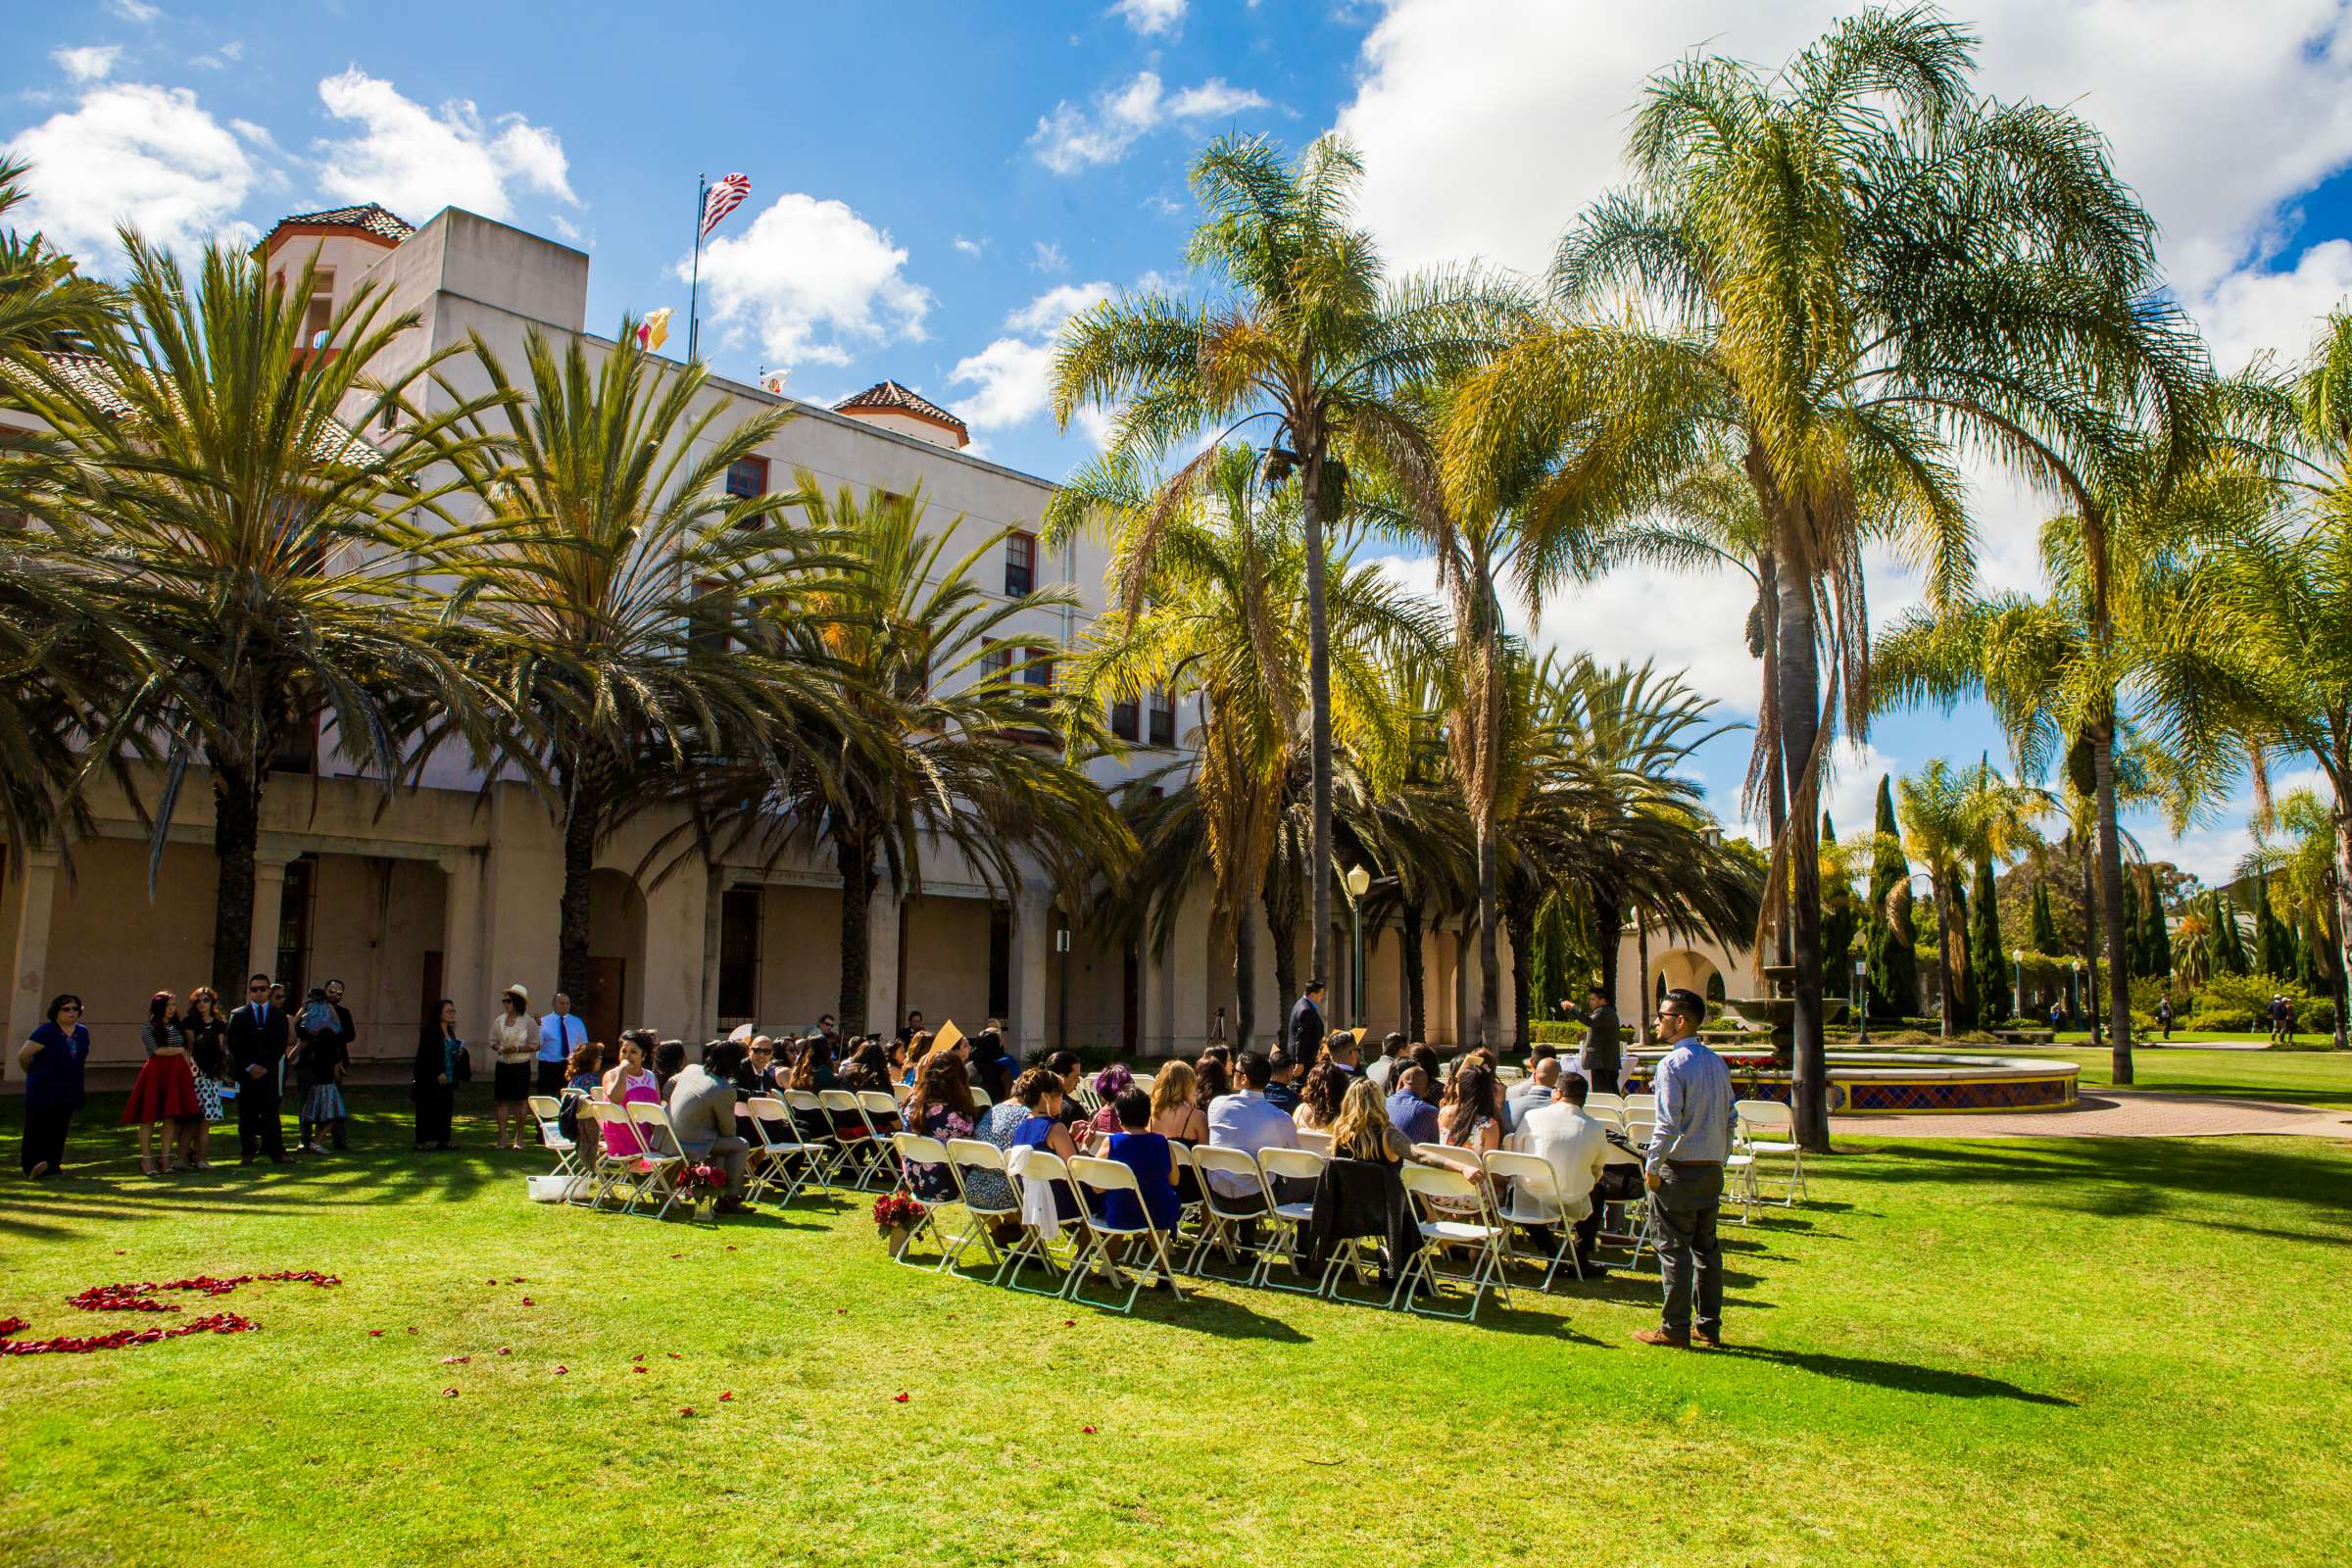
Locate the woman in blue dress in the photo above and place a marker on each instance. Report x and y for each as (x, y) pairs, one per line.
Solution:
(52, 1058)
(1040, 1095)
(1145, 1153)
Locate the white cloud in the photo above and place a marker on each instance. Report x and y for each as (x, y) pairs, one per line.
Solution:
(1045, 255)
(89, 61)
(808, 275)
(1466, 107)
(1213, 99)
(2252, 312)
(138, 11)
(1151, 17)
(133, 152)
(228, 54)
(971, 247)
(1012, 374)
(417, 161)
(259, 135)
(1073, 138)
(1045, 313)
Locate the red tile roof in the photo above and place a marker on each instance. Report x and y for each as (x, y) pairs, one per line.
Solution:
(368, 217)
(890, 397)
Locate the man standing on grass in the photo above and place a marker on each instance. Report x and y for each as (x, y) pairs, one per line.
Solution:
(1306, 1033)
(1601, 1056)
(1684, 1172)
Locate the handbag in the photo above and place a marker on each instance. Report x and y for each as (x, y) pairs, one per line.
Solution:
(461, 1069)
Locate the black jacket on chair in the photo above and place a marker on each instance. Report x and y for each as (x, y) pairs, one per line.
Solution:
(1361, 1197)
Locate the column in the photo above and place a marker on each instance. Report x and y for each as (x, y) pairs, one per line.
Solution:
(882, 960)
(37, 887)
(268, 908)
(1032, 943)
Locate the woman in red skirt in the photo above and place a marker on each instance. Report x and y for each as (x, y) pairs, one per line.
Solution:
(167, 1086)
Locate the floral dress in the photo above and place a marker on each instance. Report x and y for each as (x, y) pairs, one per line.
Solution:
(936, 1184)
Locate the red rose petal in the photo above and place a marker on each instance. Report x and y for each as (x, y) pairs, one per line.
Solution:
(636, 1369)
(503, 1350)
(675, 1356)
(685, 1409)
(1089, 1431)
(375, 1333)
(840, 1312)
(518, 1280)
(900, 1398)
(559, 1371)
(678, 1254)
(411, 1331)
(489, 1282)
(1069, 1322)
(724, 1398)
(526, 1300)
(449, 1393)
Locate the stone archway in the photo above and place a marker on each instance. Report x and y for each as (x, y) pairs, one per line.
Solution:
(1681, 968)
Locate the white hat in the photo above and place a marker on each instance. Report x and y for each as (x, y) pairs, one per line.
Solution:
(519, 993)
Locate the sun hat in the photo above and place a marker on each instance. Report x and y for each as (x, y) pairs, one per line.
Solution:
(519, 994)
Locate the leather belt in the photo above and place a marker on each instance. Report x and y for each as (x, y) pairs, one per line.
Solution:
(1694, 1163)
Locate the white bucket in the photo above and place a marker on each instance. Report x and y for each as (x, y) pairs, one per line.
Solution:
(552, 1189)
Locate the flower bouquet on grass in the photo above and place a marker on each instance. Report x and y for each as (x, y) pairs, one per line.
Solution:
(702, 1184)
(896, 1215)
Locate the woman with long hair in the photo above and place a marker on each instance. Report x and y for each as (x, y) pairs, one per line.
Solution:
(1213, 1077)
(166, 1090)
(940, 1106)
(434, 1083)
(1109, 1084)
(206, 1031)
(630, 1081)
(1176, 1113)
(1362, 1130)
(1321, 1096)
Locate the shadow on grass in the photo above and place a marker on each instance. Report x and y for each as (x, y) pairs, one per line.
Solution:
(2128, 1177)
(1901, 1376)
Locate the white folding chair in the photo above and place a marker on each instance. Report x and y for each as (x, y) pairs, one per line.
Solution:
(1182, 1158)
(1223, 1213)
(614, 1171)
(970, 1154)
(548, 1111)
(1769, 1129)
(1429, 1187)
(809, 1111)
(922, 1150)
(1096, 1179)
(980, 1100)
(1535, 1202)
(1288, 1219)
(863, 1152)
(1039, 1169)
(783, 1158)
(882, 1119)
(1317, 1143)
(663, 1156)
(1639, 1107)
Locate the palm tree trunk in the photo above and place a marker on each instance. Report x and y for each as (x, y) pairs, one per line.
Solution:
(1522, 918)
(1318, 697)
(2090, 940)
(1608, 923)
(1415, 997)
(580, 820)
(1489, 959)
(2340, 776)
(1244, 971)
(2111, 900)
(1775, 789)
(856, 863)
(1799, 718)
(1281, 924)
(1943, 955)
(237, 835)
(1641, 1002)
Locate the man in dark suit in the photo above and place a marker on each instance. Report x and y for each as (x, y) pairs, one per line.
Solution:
(1305, 1036)
(258, 1036)
(1602, 1053)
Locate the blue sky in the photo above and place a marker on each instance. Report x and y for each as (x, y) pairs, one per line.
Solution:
(934, 188)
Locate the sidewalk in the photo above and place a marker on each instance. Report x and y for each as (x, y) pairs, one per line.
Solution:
(2118, 1113)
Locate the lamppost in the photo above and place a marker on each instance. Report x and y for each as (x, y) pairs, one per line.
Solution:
(2073, 988)
(1359, 883)
(1861, 999)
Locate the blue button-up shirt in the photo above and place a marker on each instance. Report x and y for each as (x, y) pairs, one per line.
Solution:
(1247, 1121)
(1694, 1107)
(559, 1034)
(1413, 1116)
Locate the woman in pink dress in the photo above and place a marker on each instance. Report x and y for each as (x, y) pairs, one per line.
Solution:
(629, 1082)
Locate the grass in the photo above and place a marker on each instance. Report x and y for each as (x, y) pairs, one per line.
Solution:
(2303, 1077)
(1997, 1352)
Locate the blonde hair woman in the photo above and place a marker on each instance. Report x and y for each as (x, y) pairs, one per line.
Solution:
(1362, 1129)
(1174, 1115)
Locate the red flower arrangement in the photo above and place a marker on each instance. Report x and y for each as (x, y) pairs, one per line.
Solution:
(896, 1211)
(705, 1178)
(139, 1296)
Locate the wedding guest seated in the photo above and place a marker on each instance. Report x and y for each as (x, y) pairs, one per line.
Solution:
(701, 1111)
(583, 1076)
(668, 1058)
(1064, 1066)
(1532, 1092)
(1247, 1121)
(940, 1108)
(1109, 1084)
(1577, 1148)
(867, 1069)
(758, 1074)
(991, 1063)
(1343, 1049)
(1176, 1112)
(1319, 1104)
(1213, 1077)
(1361, 1193)
(1038, 1092)
(1411, 1109)
(1281, 1089)
(1146, 1154)
(1392, 1055)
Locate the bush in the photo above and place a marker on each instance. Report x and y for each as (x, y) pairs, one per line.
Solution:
(2241, 1003)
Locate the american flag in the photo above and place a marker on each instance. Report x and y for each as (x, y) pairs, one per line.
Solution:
(725, 196)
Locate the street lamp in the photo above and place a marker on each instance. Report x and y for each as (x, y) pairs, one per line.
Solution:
(1861, 999)
(1359, 883)
(2073, 988)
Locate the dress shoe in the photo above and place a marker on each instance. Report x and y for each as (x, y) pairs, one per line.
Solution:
(1661, 1337)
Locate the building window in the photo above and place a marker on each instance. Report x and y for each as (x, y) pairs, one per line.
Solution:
(1038, 675)
(995, 660)
(1123, 719)
(322, 310)
(713, 616)
(1162, 709)
(1020, 564)
(294, 928)
(738, 956)
(747, 477)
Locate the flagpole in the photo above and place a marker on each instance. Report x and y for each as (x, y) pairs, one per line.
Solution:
(693, 298)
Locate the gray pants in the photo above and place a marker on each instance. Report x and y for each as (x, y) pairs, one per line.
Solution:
(729, 1156)
(1685, 1203)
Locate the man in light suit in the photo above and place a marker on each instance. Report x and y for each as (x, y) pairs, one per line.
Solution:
(702, 1109)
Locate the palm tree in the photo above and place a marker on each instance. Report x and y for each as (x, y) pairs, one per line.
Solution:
(1300, 332)
(1953, 819)
(217, 508)
(1859, 261)
(946, 732)
(599, 594)
(1221, 615)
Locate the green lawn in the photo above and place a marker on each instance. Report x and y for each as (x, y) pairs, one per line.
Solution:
(1995, 1352)
(2304, 1077)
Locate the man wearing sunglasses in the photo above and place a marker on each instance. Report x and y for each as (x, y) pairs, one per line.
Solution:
(1683, 1169)
(259, 1033)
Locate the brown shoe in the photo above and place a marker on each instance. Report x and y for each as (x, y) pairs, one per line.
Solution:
(1713, 1341)
(1661, 1337)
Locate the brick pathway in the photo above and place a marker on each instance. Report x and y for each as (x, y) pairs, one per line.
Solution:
(2118, 1113)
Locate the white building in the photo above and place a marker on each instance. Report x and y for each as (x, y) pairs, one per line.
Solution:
(452, 890)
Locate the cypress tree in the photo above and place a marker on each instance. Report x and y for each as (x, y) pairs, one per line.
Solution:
(2307, 961)
(1841, 922)
(2273, 944)
(2134, 964)
(2046, 925)
(2160, 934)
(1893, 966)
(1964, 1008)
(1985, 951)
(2230, 944)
